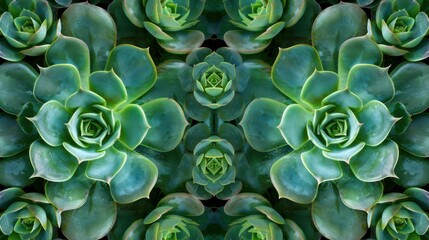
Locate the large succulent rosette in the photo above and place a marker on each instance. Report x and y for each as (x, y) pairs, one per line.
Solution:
(27, 27)
(401, 28)
(168, 21)
(339, 127)
(259, 21)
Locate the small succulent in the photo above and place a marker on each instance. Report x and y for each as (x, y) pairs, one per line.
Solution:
(168, 21)
(28, 27)
(214, 164)
(169, 220)
(401, 215)
(260, 21)
(27, 216)
(258, 220)
(401, 28)
(213, 77)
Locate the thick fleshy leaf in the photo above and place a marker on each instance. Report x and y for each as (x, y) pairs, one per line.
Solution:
(370, 82)
(9, 53)
(351, 53)
(76, 53)
(109, 86)
(83, 98)
(411, 171)
(156, 31)
(183, 204)
(344, 153)
(373, 164)
(135, 12)
(70, 194)
(135, 180)
(167, 124)
(245, 204)
(260, 121)
(292, 68)
(333, 219)
(420, 196)
(318, 86)
(51, 121)
(399, 110)
(343, 99)
(411, 85)
(292, 180)
(156, 214)
(357, 194)
(57, 82)
(293, 125)
(12, 139)
(332, 27)
(106, 167)
(7, 196)
(99, 32)
(16, 171)
(415, 139)
(134, 125)
(323, 169)
(16, 86)
(420, 52)
(134, 66)
(376, 123)
(54, 164)
(94, 219)
(184, 41)
(244, 42)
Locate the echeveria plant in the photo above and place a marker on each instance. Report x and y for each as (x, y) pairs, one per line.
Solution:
(214, 165)
(168, 21)
(170, 220)
(27, 216)
(401, 215)
(213, 77)
(27, 27)
(401, 28)
(258, 220)
(286, 119)
(259, 21)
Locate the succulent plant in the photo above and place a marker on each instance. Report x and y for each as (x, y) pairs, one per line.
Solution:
(258, 220)
(401, 28)
(28, 27)
(213, 77)
(168, 21)
(260, 21)
(214, 165)
(170, 220)
(27, 216)
(401, 215)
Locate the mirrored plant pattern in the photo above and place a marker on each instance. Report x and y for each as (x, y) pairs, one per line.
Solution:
(216, 120)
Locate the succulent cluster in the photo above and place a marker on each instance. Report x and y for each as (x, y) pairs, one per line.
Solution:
(207, 119)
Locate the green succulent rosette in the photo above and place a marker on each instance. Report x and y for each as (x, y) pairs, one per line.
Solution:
(170, 220)
(213, 77)
(214, 167)
(169, 21)
(401, 215)
(27, 28)
(259, 21)
(27, 216)
(401, 28)
(256, 219)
